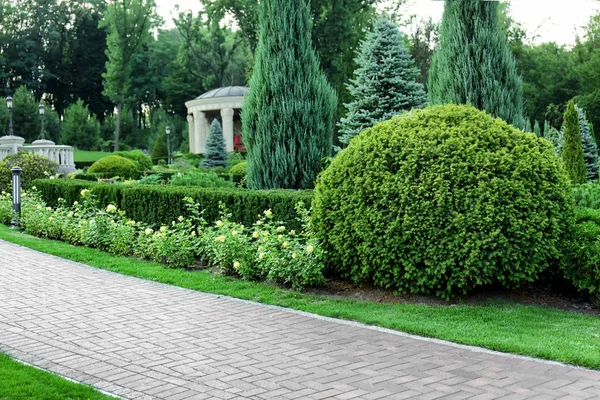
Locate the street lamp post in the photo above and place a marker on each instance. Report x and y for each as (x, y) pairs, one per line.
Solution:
(9, 104)
(42, 109)
(168, 129)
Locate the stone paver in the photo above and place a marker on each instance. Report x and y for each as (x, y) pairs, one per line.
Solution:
(145, 340)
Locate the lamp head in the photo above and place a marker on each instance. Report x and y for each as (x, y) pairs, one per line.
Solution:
(168, 129)
(9, 102)
(41, 108)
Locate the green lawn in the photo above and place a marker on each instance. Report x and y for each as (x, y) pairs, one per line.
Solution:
(83, 155)
(19, 382)
(529, 330)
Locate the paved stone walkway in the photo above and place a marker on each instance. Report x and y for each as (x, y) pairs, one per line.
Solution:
(145, 340)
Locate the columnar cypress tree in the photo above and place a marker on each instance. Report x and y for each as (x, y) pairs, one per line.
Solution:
(288, 113)
(572, 152)
(546, 129)
(473, 63)
(216, 153)
(384, 84)
(588, 144)
(527, 127)
(537, 130)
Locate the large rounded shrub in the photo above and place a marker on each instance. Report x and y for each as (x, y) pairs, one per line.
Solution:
(33, 167)
(143, 161)
(441, 201)
(115, 166)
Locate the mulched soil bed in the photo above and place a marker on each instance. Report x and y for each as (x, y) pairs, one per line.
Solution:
(544, 295)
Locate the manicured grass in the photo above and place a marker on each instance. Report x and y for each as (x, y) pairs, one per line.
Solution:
(18, 381)
(528, 330)
(83, 155)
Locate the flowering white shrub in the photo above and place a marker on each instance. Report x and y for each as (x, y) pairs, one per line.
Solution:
(267, 250)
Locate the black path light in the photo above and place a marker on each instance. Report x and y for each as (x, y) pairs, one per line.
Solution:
(16, 194)
(42, 110)
(9, 104)
(169, 160)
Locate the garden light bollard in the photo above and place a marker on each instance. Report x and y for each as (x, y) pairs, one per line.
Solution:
(16, 193)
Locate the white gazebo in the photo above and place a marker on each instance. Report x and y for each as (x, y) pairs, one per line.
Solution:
(225, 102)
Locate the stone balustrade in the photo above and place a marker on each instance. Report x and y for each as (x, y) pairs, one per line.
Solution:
(62, 155)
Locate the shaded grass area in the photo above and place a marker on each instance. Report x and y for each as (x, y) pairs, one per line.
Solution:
(19, 382)
(83, 155)
(521, 329)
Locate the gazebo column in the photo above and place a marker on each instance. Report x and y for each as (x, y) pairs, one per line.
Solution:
(227, 118)
(191, 133)
(200, 129)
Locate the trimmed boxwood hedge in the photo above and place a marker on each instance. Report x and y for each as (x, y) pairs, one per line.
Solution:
(162, 204)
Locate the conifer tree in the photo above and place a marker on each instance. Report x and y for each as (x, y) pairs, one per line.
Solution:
(160, 151)
(572, 152)
(593, 133)
(588, 144)
(473, 63)
(537, 130)
(288, 114)
(546, 129)
(527, 127)
(384, 84)
(216, 152)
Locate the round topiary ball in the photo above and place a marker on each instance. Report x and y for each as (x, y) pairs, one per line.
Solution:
(443, 200)
(112, 166)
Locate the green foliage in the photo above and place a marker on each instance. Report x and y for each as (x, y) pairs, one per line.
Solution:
(537, 129)
(442, 201)
(239, 169)
(527, 127)
(160, 151)
(112, 166)
(473, 63)
(589, 147)
(581, 260)
(587, 195)
(216, 153)
(384, 84)
(154, 179)
(288, 113)
(143, 161)
(162, 204)
(33, 166)
(79, 128)
(546, 129)
(200, 179)
(556, 138)
(26, 118)
(572, 151)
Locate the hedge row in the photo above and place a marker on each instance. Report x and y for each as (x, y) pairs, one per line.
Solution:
(158, 204)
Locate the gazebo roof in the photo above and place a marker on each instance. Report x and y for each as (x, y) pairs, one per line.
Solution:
(227, 91)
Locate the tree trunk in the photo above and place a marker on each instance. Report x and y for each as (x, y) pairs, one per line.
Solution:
(118, 126)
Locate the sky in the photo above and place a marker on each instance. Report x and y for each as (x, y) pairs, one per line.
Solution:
(548, 20)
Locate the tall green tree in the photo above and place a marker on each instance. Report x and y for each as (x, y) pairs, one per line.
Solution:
(26, 118)
(423, 41)
(288, 113)
(128, 24)
(572, 152)
(385, 82)
(537, 129)
(588, 144)
(79, 128)
(473, 63)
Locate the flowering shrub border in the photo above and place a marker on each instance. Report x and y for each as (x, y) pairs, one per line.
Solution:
(265, 251)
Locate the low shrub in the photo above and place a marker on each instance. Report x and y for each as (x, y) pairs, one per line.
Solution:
(266, 251)
(143, 161)
(587, 195)
(162, 204)
(86, 177)
(33, 167)
(112, 166)
(154, 179)
(200, 179)
(443, 200)
(581, 259)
